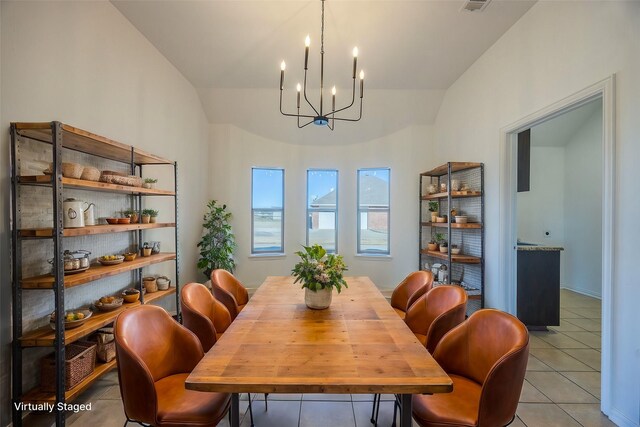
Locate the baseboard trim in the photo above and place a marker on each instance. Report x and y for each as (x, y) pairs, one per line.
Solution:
(622, 420)
(582, 292)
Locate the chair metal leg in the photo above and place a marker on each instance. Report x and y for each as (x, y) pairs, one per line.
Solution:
(250, 410)
(266, 405)
(395, 413)
(378, 409)
(373, 410)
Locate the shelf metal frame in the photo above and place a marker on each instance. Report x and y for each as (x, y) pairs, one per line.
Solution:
(57, 134)
(447, 170)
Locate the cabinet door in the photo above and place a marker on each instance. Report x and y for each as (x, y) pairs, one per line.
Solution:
(539, 288)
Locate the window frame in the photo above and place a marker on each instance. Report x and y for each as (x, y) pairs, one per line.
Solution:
(359, 251)
(255, 252)
(319, 210)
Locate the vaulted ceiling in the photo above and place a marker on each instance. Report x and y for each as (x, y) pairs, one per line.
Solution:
(411, 51)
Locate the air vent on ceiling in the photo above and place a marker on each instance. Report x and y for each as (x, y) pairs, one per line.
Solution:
(474, 5)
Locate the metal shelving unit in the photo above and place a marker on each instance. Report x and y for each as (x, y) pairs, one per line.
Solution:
(62, 136)
(466, 268)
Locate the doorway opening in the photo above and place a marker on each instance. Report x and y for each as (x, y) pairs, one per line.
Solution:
(573, 211)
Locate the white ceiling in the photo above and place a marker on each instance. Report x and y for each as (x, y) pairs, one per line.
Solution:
(558, 131)
(224, 46)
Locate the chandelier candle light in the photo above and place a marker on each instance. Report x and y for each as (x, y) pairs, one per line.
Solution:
(319, 116)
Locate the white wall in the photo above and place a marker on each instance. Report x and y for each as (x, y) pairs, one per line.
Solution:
(557, 49)
(583, 209)
(85, 64)
(541, 208)
(407, 152)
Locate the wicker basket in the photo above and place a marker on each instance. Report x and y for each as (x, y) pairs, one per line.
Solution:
(79, 364)
(90, 174)
(72, 170)
(106, 344)
(150, 284)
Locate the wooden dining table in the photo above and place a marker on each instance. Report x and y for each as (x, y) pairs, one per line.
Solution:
(358, 345)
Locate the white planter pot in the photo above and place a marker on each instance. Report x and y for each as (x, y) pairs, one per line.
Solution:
(318, 300)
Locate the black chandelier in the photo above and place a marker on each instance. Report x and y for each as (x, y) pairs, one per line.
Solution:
(320, 116)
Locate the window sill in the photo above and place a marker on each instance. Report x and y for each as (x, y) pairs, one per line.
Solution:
(374, 257)
(268, 255)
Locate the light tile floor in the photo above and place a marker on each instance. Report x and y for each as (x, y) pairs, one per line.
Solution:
(561, 388)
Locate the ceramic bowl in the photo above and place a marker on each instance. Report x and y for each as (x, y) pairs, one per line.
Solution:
(130, 256)
(130, 295)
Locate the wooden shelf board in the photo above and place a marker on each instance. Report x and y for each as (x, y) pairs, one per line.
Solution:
(87, 142)
(454, 194)
(93, 185)
(455, 167)
(45, 336)
(97, 271)
(37, 395)
(453, 225)
(460, 258)
(93, 229)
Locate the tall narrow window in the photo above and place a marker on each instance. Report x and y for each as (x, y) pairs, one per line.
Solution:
(322, 208)
(373, 211)
(267, 211)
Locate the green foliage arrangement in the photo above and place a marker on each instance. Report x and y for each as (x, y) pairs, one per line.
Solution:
(150, 180)
(150, 212)
(319, 270)
(218, 242)
(433, 206)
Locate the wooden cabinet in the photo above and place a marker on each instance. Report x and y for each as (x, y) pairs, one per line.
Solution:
(455, 186)
(63, 141)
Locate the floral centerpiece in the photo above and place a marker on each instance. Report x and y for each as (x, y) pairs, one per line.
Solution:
(319, 273)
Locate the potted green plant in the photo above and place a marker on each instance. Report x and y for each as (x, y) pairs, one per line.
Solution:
(444, 247)
(319, 273)
(432, 245)
(455, 250)
(433, 208)
(149, 215)
(149, 182)
(218, 242)
(131, 213)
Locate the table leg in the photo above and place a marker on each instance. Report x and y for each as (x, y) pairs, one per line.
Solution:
(235, 410)
(405, 412)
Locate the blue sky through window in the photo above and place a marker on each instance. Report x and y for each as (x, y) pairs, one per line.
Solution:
(267, 188)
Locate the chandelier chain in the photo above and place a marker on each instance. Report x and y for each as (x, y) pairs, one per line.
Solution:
(322, 31)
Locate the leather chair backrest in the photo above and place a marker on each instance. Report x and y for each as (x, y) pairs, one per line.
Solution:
(492, 348)
(436, 313)
(229, 291)
(150, 345)
(410, 289)
(202, 314)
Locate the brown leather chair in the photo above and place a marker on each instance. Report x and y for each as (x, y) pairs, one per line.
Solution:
(486, 357)
(229, 291)
(430, 318)
(436, 313)
(203, 315)
(409, 290)
(155, 355)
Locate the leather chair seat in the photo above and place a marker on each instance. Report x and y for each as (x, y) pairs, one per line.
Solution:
(458, 408)
(409, 290)
(178, 406)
